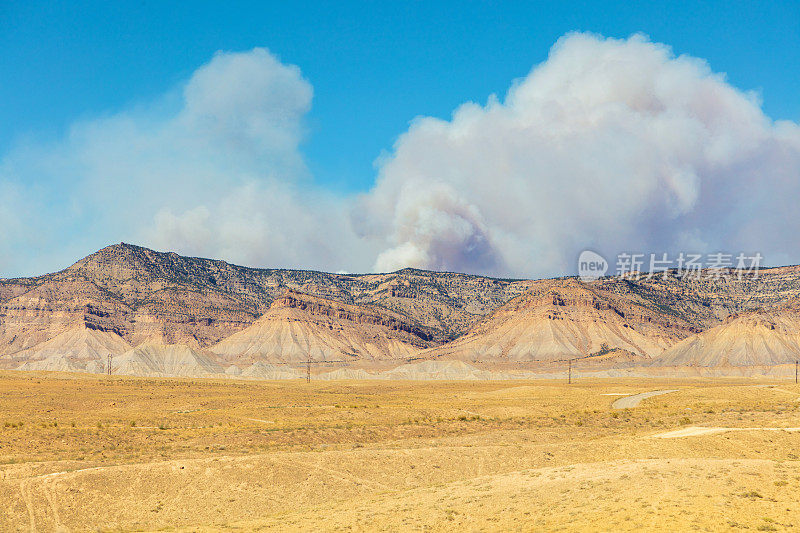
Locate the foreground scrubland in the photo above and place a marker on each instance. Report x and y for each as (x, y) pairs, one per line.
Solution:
(82, 452)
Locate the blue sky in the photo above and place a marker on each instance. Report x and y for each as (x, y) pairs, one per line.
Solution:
(373, 67)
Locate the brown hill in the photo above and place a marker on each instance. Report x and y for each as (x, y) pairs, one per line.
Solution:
(144, 297)
(762, 338)
(149, 296)
(166, 360)
(298, 327)
(708, 301)
(76, 349)
(566, 319)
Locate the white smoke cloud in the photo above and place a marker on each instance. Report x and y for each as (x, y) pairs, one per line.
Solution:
(609, 144)
(212, 169)
(271, 225)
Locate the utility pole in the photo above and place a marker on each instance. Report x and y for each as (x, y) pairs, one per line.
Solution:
(569, 378)
(310, 362)
(795, 371)
(110, 357)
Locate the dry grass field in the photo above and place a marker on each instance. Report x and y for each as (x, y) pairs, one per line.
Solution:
(105, 453)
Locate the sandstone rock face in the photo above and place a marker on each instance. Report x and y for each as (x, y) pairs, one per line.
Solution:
(299, 327)
(160, 313)
(157, 297)
(708, 301)
(434, 370)
(166, 360)
(72, 349)
(262, 370)
(751, 339)
(567, 319)
(55, 363)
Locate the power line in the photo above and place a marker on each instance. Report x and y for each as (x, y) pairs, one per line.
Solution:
(308, 362)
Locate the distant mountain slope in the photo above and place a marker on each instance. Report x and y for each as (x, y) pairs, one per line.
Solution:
(76, 348)
(751, 339)
(144, 297)
(166, 360)
(149, 296)
(80, 344)
(709, 300)
(566, 319)
(297, 327)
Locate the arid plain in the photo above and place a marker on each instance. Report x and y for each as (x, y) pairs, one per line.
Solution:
(88, 452)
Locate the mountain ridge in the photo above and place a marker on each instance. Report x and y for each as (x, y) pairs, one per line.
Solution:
(144, 296)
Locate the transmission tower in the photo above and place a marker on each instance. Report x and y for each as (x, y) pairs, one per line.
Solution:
(310, 362)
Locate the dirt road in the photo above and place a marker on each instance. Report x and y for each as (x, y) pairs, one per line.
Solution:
(632, 401)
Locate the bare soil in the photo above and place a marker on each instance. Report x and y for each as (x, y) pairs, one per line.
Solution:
(82, 452)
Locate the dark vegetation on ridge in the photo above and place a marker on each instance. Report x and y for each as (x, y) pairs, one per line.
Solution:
(142, 294)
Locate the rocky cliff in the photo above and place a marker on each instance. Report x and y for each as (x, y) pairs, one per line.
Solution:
(298, 327)
(566, 319)
(126, 296)
(157, 297)
(757, 338)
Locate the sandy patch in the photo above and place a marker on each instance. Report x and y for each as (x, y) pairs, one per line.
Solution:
(698, 431)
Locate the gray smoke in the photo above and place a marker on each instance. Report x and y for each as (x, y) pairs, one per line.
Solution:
(613, 145)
